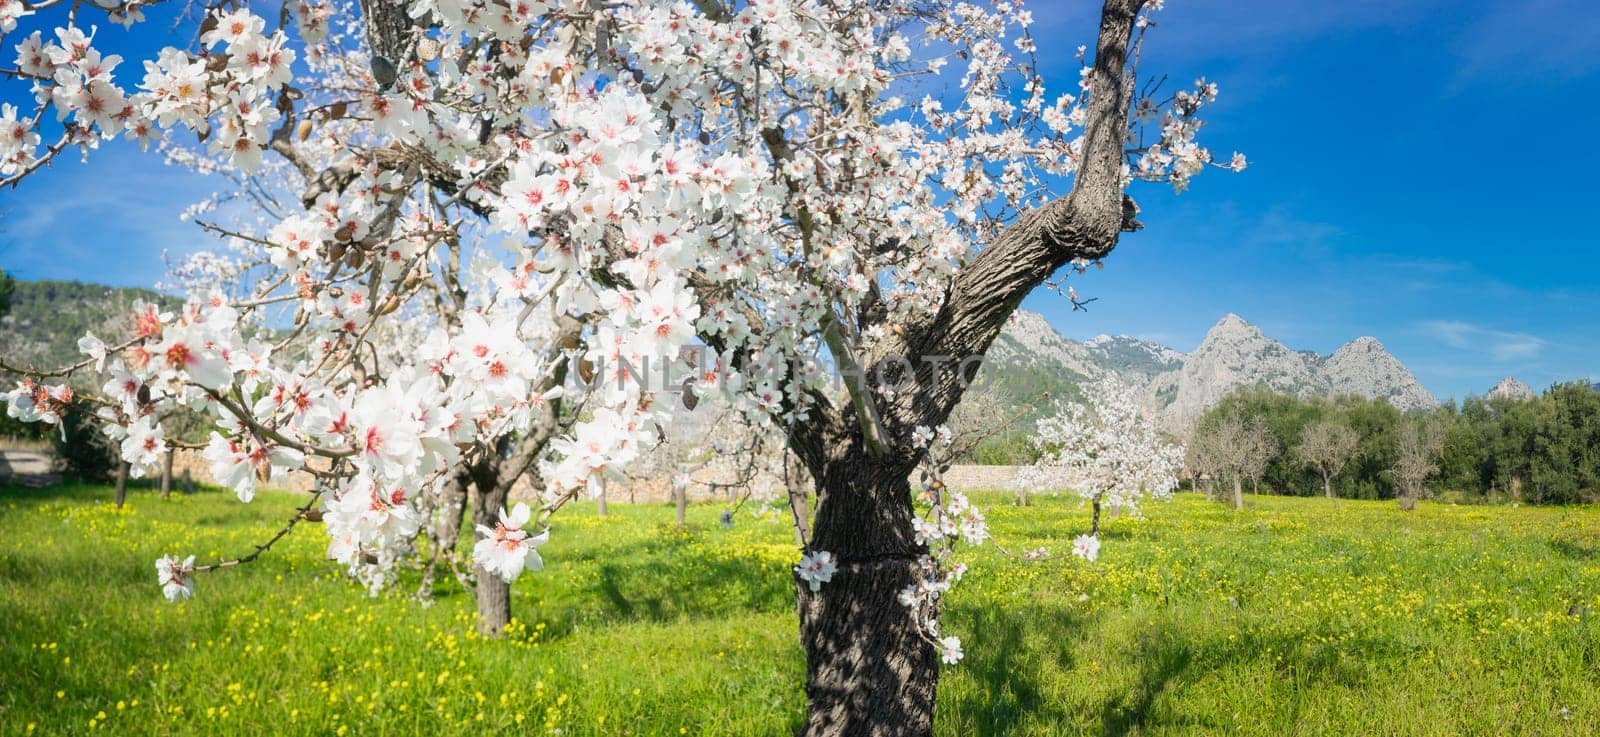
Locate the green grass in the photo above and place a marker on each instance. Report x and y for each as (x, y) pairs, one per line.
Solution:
(1298, 616)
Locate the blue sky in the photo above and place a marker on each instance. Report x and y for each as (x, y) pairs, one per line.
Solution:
(1415, 176)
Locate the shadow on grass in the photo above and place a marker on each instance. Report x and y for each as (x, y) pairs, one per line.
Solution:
(666, 582)
(1018, 656)
(1009, 678)
(1574, 550)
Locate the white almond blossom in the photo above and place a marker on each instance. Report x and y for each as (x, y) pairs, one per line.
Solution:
(816, 568)
(176, 577)
(507, 550)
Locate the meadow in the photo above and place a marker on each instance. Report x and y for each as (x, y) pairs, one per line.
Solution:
(1296, 617)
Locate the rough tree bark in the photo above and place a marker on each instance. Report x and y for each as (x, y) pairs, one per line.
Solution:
(869, 670)
(1238, 494)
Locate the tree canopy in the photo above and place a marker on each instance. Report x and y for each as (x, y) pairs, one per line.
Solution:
(1540, 450)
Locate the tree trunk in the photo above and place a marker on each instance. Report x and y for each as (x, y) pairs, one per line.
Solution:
(166, 473)
(452, 510)
(1094, 523)
(870, 670)
(1238, 494)
(494, 594)
(600, 504)
(1327, 487)
(1022, 498)
(122, 483)
(681, 497)
(494, 604)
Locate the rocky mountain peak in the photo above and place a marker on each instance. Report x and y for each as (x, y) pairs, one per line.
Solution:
(1509, 388)
(1363, 367)
(1363, 344)
(1232, 324)
(1178, 388)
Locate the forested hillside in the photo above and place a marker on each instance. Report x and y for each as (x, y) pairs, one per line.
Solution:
(46, 318)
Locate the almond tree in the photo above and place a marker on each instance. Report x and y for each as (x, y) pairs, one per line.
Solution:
(1418, 442)
(1259, 448)
(1224, 448)
(781, 185)
(1106, 450)
(1326, 447)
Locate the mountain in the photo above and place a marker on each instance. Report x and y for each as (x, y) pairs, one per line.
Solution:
(1029, 357)
(1364, 368)
(1131, 356)
(1235, 354)
(1510, 388)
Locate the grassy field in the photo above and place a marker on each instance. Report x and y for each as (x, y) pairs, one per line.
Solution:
(1298, 616)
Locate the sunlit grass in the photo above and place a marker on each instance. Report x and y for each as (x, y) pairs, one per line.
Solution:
(1299, 616)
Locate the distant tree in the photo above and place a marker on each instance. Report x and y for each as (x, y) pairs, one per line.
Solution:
(1375, 422)
(1234, 443)
(1539, 450)
(1464, 462)
(7, 286)
(1105, 450)
(1260, 448)
(1285, 417)
(1220, 448)
(1563, 461)
(1417, 445)
(1201, 463)
(1327, 447)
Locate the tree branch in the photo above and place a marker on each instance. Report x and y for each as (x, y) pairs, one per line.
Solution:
(1084, 225)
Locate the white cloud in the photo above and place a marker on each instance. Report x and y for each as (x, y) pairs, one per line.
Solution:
(1500, 345)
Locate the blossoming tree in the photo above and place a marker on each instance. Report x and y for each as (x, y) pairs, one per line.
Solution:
(1107, 451)
(776, 186)
(1327, 447)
